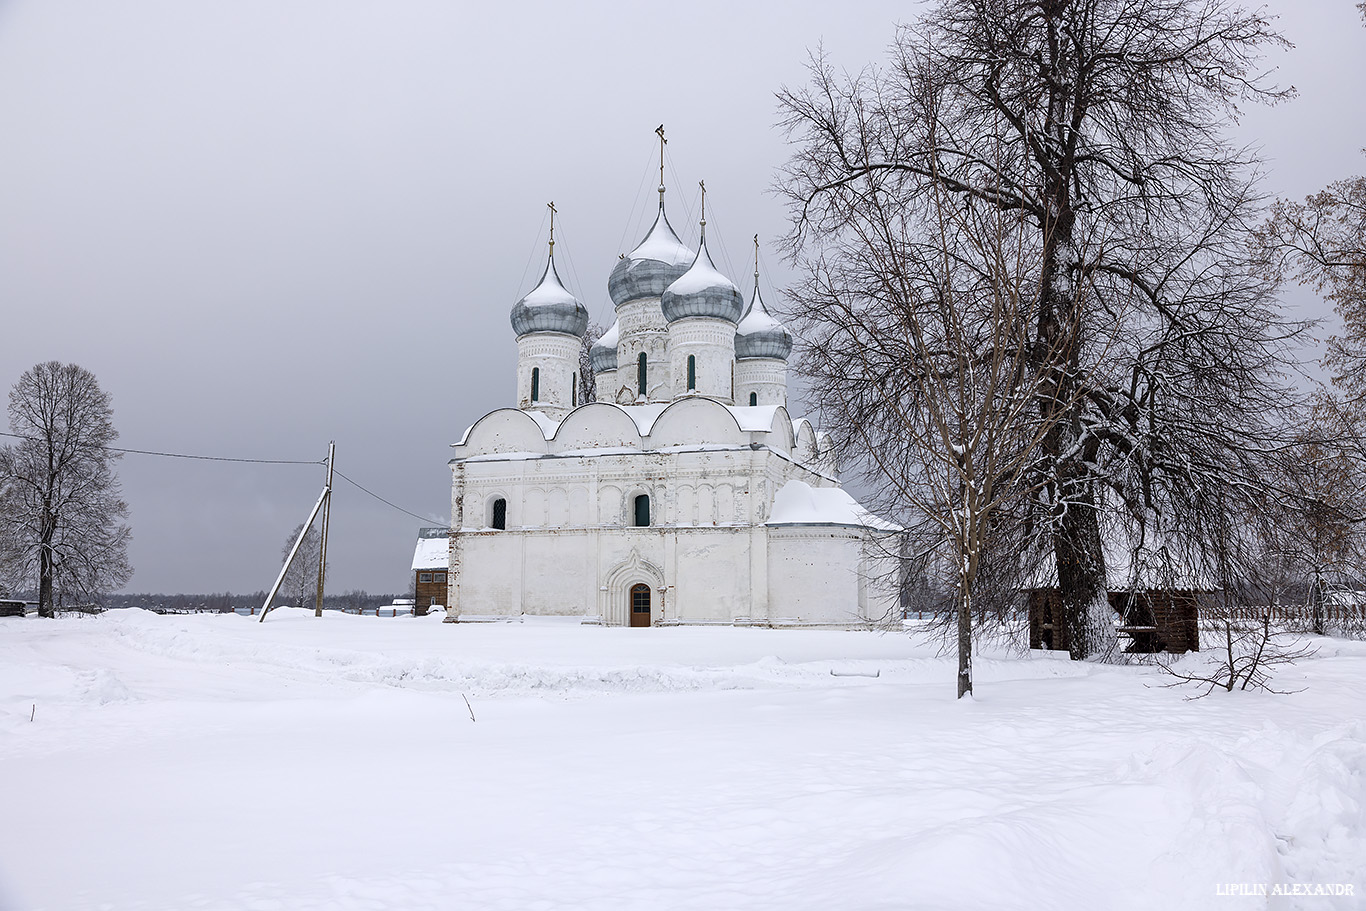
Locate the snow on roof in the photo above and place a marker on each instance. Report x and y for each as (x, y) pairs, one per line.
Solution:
(644, 415)
(702, 275)
(798, 503)
(1158, 565)
(754, 418)
(547, 424)
(550, 290)
(610, 337)
(662, 244)
(432, 552)
(750, 418)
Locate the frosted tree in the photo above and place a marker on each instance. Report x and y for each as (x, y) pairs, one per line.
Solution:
(61, 513)
(1095, 123)
(916, 319)
(588, 381)
(301, 581)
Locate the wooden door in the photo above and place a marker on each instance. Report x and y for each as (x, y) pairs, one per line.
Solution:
(640, 605)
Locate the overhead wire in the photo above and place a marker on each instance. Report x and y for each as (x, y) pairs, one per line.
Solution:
(366, 490)
(631, 218)
(182, 455)
(530, 256)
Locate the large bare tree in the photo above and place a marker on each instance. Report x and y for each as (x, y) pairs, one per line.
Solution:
(60, 506)
(1098, 124)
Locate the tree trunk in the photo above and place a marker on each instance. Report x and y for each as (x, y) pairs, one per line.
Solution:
(45, 568)
(964, 638)
(1082, 585)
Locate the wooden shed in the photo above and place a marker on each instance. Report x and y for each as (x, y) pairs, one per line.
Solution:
(1153, 620)
(431, 562)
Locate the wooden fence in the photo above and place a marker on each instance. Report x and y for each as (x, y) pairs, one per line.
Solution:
(1333, 614)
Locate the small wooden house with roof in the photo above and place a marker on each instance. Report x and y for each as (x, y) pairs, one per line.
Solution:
(431, 562)
(1155, 592)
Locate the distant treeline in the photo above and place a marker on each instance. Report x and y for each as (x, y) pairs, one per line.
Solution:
(353, 601)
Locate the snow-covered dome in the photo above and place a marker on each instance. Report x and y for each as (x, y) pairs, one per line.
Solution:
(759, 334)
(603, 355)
(549, 307)
(702, 291)
(652, 266)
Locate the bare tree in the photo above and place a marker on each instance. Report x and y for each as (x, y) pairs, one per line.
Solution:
(588, 381)
(1096, 124)
(915, 313)
(60, 508)
(301, 581)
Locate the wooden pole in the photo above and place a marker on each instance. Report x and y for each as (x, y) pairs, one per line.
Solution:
(322, 544)
(293, 551)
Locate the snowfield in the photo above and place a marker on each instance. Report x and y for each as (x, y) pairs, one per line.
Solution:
(211, 762)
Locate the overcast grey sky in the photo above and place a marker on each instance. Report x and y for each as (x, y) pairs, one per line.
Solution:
(264, 225)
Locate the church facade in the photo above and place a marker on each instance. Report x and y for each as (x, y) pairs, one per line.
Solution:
(685, 494)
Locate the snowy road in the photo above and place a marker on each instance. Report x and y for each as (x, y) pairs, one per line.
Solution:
(213, 762)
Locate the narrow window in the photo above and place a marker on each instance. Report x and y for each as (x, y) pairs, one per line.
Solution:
(640, 373)
(692, 372)
(643, 511)
(573, 390)
(535, 384)
(500, 513)
(754, 398)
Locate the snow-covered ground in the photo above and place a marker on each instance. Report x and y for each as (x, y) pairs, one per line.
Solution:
(203, 762)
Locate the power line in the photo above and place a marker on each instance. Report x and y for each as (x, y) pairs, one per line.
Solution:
(381, 499)
(181, 455)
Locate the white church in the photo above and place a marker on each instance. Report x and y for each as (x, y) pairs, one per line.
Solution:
(685, 494)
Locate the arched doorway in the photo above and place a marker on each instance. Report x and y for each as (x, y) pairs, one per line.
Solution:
(640, 604)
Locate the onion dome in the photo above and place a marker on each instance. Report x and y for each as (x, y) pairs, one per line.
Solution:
(650, 268)
(702, 291)
(759, 334)
(549, 307)
(603, 355)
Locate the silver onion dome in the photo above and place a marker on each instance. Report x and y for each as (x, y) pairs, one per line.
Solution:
(702, 291)
(650, 268)
(759, 334)
(603, 354)
(549, 307)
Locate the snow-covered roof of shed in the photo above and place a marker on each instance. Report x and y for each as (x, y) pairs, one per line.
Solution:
(432, 550)
(1156, 564)
(798, 503)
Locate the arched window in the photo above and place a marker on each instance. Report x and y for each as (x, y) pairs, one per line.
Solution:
(643, 511)
(692, 372)
(500, 513)
(535, 384)
(754, 398)
(640, 373)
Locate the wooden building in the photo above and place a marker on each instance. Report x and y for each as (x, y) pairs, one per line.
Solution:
(1152, 620)
(431, 562)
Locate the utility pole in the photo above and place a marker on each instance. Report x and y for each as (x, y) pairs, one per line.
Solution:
(322, 545)
(324, 503)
